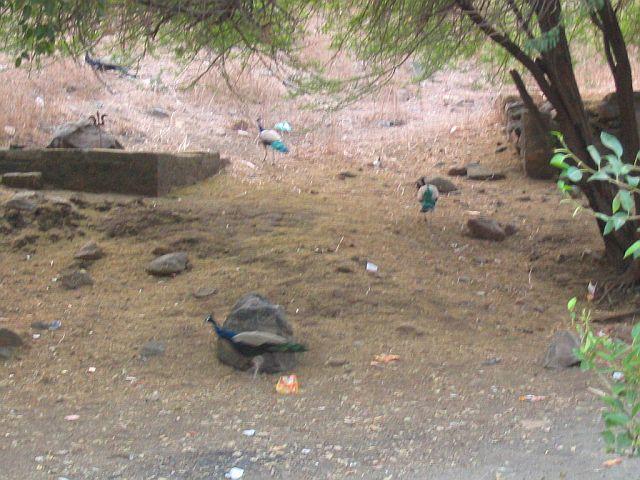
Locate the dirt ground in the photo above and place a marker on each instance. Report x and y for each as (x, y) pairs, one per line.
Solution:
(300, 234)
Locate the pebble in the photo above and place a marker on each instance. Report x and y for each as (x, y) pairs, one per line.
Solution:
(234, 473)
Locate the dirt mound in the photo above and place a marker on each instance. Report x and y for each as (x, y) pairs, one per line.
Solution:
(130, 220)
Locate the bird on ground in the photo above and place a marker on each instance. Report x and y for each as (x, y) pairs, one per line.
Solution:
(253, 344)
(427, 195)
(270, 138)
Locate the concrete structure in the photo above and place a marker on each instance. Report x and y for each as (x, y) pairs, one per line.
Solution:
(113, 171)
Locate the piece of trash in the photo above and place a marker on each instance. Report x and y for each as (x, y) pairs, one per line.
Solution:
(91, 369)
(235, 473)
(305, 451)
(453, 129)
(282, 126)
(130, 379)
(249, 433)
(531, 398)
(55, 325)
(71, 418)
(385, 358)
(36, 336)
(377, 163)
(287, 385)
(492, 361)
(591, 291)
(372, 267)
(618, 376)
(612, 463)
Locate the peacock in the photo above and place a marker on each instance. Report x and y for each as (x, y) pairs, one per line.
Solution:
(270, 138)
(253, 344)
(427, 195)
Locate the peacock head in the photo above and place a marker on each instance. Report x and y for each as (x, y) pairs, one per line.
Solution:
(259, 121)
(210, 320)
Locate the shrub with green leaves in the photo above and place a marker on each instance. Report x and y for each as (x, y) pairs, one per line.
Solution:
(610, 168)
(617, 364)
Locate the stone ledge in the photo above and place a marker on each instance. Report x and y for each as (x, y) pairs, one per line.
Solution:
(113, 171)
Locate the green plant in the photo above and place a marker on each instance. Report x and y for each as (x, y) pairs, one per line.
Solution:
(617, 364)
(610, 168)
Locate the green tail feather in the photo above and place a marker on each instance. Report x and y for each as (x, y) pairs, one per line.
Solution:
(289, 347)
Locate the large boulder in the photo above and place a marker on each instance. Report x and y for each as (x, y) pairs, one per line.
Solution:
(83, 134)
(254, 312)
(536, 147)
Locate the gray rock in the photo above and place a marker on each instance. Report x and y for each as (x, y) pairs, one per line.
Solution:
(457, 171)
(408, 329)
(536, 147)
(10, 343)
(336, 362)
(89, 251)
(560, 353)
(442, 184)
(152, 348)
(83, 134)
(486, 229)
(169, 264)
(24, 201)
(254, 312)
(75, 279)
(159, 112)
(205, 292)
(29, 180)
(480, 172)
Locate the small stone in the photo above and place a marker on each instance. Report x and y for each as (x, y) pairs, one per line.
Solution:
(336, 362)
(442, 184)
(75, 279)
(28, 180)
(486, 229)
(560, 352)
(480, 172)
(169, 264)
(40, 325)
(344, 269)
(457, 171)
(510, 229)
(345, 175)
(408, 329)
(153, 397)
(89, 251)
(10, 342)
(24, 201)
(152, 348)
(204, 292)
(492, 361)
(159, 112)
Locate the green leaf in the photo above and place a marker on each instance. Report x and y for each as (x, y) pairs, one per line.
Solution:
(615, 205)
(623, 440)
(558, 161)
(619, 219)
(594, 154)
(611, 143)
(616, 419)
(635, 410)
(608, 437)
(608, 228)
(571, 305)
(599, 175)
(633, 181)
(626, 200)
(574, 174)
(635, 247)
(635, 332)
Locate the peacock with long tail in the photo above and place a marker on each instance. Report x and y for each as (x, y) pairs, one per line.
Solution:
(270, 138)
(427, 195)
(253, 344)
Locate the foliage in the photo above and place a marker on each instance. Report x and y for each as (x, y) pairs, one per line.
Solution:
(609, 168)
(617, 364)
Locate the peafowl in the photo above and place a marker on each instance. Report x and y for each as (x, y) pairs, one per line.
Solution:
(254, 343)
(270, 138)
(427, 196)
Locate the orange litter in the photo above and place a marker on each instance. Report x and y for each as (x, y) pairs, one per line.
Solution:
(288, 385)
(385, 358)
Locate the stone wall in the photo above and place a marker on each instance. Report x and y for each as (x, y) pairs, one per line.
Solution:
(113, 171)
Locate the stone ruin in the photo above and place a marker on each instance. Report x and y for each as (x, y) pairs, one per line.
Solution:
(535, 145)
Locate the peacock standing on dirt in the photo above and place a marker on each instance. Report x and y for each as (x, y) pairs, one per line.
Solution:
(427, 195)
(270, 138)
(253, 344)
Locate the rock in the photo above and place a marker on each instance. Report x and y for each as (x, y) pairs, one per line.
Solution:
(204, 292)
(152, 348)
(457, 171)
(345, 175)
(510, 229)
(486, 229)
(169, 264)
(83, 134)
(29, 180)
(408, 329)
(254, 312)
(336, 362)
(75, 279)
(480, 172)
(10, 342)
(442, 184)
(89, 251)
(158, 112)
(536, 147)
(391, 123)
(560, 352)
(24, 201)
